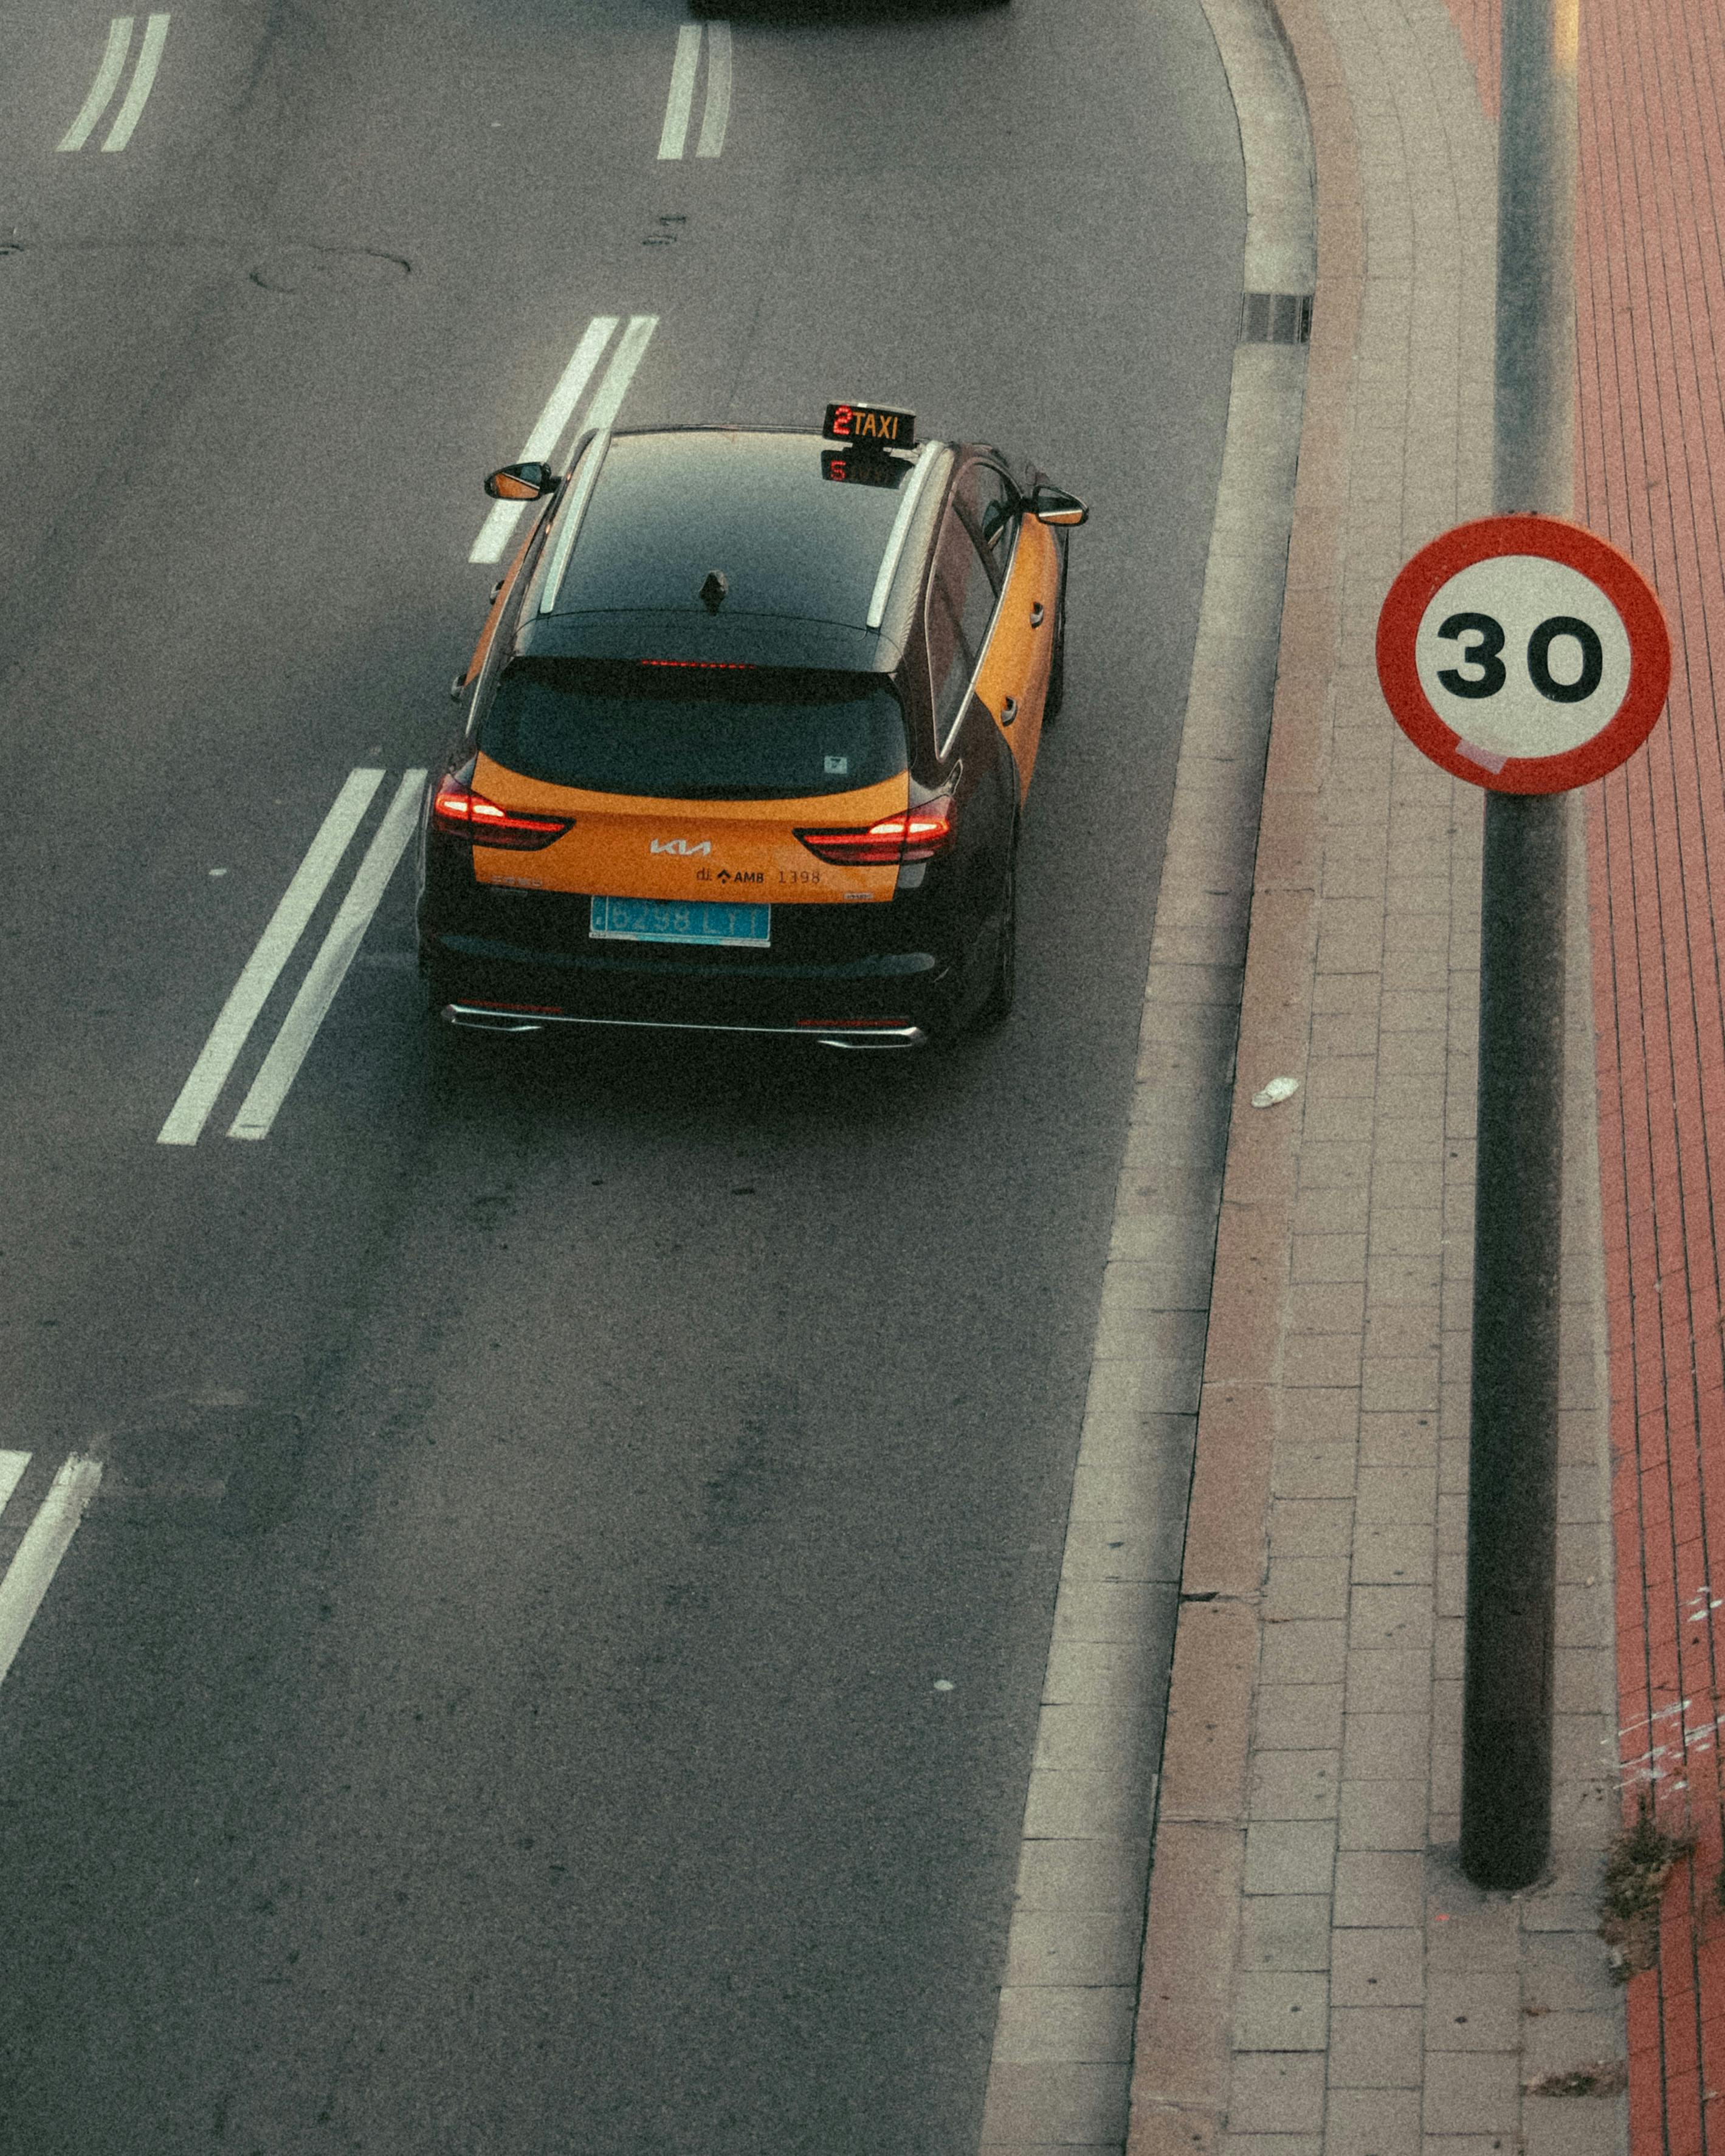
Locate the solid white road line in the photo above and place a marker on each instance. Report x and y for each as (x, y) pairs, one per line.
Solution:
(38, 1554)
(717, 113)
(251, 991)
(676, 131)
(12, 1468)
(103, 88)
(542, 443)
(317, 991)
(604, 410)
(149, 58)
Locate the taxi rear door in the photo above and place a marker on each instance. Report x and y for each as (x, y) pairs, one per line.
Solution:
(1023, 556)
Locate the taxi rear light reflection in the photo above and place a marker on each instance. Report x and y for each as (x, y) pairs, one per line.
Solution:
(913, 834)
(462, 813)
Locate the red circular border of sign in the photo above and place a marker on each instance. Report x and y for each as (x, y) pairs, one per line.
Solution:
(1557, 540)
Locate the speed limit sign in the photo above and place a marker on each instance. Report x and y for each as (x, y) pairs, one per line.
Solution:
(1523, 654)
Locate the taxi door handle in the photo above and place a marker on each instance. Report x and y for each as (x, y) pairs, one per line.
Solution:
(1036, 615)
(1008, 711)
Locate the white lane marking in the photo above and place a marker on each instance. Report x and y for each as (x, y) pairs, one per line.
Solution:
(251, 991)
(12, 1468)
(38, 1557)
(142, 81)
(604, 408)
(571, 383)
(541, 444)
(103, 88)
(717, 114)
(329, 969)
(676, 131)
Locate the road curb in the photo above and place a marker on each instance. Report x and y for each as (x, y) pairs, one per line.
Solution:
(1183, 2036)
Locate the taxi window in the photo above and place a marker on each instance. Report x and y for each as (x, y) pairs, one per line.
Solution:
(990, 504)
(961, 606)
(693, 732)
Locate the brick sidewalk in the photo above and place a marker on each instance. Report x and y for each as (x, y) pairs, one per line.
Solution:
(1318, 1979)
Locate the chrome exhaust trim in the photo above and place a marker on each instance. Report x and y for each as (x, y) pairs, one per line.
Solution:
(887, 1037)
(492, 1021)
(481, 1018)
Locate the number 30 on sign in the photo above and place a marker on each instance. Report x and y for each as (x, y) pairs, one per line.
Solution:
(1523, 654)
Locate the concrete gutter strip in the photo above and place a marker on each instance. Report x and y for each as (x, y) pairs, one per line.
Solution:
(1276, 144)
(1063, 2047)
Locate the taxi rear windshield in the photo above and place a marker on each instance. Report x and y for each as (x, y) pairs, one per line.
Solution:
(694, 732)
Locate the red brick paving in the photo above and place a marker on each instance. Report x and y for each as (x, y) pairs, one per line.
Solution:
(1651, 474)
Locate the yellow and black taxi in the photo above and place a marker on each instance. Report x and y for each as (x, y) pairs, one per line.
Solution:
(750, 730)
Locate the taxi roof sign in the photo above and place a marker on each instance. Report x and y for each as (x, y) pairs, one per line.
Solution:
(872, 425)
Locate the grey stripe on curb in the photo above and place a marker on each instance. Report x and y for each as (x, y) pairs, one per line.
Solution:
(1060, 2070)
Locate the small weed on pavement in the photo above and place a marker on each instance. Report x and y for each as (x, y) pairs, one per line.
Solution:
(1637, 1865)
(1604, 2078)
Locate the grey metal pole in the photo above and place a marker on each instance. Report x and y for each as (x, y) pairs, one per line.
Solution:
(1512, 1472)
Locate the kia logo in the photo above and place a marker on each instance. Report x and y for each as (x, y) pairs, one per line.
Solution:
(682, 846)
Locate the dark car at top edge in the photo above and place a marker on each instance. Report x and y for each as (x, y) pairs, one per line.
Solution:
(751, 728)
(798, 9)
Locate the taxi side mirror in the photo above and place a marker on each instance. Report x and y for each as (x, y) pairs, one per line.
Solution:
(1048, 505)
(521, 482)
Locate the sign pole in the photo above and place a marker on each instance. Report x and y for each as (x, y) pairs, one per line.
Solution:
(1512, 1460)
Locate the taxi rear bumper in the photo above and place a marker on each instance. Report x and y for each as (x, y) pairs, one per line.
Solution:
(890, 1000)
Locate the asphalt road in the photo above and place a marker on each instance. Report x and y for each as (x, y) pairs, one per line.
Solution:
(491, 1703)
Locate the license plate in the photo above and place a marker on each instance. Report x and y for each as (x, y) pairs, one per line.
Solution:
(669, 921)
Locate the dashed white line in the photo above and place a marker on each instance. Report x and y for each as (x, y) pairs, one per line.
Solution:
(329, 969)
(630, 346)
(142, 81)
(680, 103)
(45, 1542)
(12, 1471)
(251, 991)
(107, 81)
(498, 527)
(717, 114)
(677, 106)
(103, 88)
(542, 443)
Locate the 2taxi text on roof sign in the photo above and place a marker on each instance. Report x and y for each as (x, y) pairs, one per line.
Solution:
(872, 423)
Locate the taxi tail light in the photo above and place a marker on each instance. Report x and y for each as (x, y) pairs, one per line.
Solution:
(459, 812)
(913, 834)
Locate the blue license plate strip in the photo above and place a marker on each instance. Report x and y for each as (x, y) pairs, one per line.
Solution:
(669, 921)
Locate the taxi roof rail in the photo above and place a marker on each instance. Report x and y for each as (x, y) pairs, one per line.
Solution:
(574, 511)
(926, 457)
